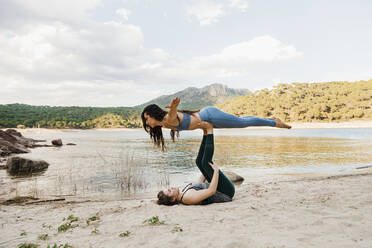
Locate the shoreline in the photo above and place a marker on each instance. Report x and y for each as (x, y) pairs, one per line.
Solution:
(325, 211)
(295, 125)
(350, 124)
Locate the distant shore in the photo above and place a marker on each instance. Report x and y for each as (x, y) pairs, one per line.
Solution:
(295, 125)
(349, 124)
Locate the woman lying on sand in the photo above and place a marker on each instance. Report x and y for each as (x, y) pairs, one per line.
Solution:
(219, 188)
(154, 118)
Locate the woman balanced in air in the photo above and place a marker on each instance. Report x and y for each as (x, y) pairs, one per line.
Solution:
(155, 118)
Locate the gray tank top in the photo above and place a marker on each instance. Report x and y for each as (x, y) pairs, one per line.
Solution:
(217, 197)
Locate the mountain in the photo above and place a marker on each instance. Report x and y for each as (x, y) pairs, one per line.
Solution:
(197, 98)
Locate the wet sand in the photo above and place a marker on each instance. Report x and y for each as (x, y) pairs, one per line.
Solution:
(320, 211)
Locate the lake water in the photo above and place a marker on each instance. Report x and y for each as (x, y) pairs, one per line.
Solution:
(122, 163)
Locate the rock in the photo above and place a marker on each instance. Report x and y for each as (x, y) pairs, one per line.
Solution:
(7, 137)
(12, 141)
(13, 132)
(71, 144)
(24, 166)
(15, 137)
(4, 151)
(8, 147)
(3, 163)
(235, 178)
(57, 142)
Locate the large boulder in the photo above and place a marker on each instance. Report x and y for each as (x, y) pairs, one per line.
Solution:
(13, 132)
(24, 166)
(12, 141)
(9, 147)
(16, 138)
(7, 137)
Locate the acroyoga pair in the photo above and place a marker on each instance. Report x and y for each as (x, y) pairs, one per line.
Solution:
(218, 187)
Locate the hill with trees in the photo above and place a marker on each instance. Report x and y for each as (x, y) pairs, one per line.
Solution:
(12, 115)
(295, 102)
(307, 102)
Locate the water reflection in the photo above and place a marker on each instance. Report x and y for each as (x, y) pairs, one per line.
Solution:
(122, 163)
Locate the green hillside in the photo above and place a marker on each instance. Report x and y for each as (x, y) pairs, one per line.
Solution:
(296, 102)
(12, 115)
(307, 102)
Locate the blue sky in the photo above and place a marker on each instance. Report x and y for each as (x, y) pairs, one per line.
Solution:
(126, 52)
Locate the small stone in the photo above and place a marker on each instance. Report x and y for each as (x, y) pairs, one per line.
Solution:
(57, 142)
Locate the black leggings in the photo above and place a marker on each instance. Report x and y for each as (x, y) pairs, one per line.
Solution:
(205, 155)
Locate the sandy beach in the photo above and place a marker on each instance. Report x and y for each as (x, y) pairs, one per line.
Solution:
(316, 211)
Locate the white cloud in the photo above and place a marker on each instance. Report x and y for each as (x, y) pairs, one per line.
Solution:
(242, 5)
(210, 11)
(234, 60)
(207, 11)
(43, 57)
(75, 93)
(59, 51)
(68, 11)
(78, 61)
(123, 13)
(264, 48)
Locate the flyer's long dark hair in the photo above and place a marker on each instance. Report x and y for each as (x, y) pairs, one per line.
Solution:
(156, 133)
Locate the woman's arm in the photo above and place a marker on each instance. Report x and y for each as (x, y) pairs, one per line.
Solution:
(172, 114)
(195, 197)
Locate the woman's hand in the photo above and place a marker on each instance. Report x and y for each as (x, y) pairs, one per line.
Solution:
(207, 127)
(174, 103)
(214, 166)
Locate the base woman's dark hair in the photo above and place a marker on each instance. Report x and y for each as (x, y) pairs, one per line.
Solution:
(156, 133)
(163, 199)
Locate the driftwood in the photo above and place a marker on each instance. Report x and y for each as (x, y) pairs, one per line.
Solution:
(48, 200)
(364, 167)
(26, 200)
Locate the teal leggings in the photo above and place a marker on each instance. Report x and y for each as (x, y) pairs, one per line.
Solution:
(205, 155)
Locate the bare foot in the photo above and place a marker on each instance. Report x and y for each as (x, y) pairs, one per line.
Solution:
(279, 123)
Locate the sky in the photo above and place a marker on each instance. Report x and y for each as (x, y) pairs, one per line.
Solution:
(127, 52)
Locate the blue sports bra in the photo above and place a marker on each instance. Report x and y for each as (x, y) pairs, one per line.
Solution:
(185, 123)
